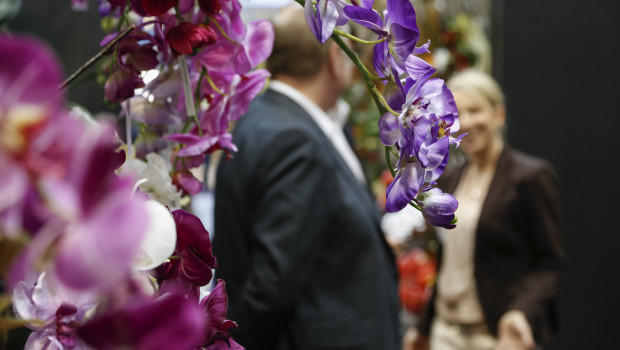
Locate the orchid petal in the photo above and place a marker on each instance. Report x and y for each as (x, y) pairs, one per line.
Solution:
(403, 41)
(112, 234)
(160, 238)
(258, 42)
(404, 187)
(418, 69)
(402, 12)
(214, 306)
(389, 131)
(366, 17)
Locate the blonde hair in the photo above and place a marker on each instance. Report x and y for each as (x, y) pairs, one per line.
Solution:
(480, 82)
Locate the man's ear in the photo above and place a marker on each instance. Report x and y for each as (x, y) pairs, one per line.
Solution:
(334, 60)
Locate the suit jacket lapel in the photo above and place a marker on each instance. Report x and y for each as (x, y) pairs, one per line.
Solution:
(496, 192)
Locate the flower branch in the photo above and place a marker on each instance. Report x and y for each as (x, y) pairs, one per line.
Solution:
(356, 39)
(96, 58)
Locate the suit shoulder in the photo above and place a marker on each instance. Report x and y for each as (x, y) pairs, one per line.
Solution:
(529, 166)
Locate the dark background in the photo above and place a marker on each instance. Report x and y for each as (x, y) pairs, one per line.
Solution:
(75, 37)
(558, 62)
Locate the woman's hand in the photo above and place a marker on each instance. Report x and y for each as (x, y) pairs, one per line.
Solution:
(514, 332)
(414, 340)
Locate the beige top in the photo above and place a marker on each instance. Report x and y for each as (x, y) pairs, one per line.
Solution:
(457, 298)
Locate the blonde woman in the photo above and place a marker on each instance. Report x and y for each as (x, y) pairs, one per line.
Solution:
(500, 268)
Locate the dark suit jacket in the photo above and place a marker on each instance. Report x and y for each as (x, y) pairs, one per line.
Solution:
(519, 260)
(298, 240)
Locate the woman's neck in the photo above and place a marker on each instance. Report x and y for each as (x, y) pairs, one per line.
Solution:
(488, 159)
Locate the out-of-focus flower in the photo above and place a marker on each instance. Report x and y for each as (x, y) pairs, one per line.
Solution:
(170, 322)
(122, 85)
(417, 276)
(437, 207)
(252, 43)
(190, 267)
(217, 327)
(158, 7)
(54, 313)
(210, 7)
(159, 184)
(79, 5)
(160, 238)
(186, 181)
(186, 37)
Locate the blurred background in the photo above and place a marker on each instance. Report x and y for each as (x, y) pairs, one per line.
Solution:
(558, 63)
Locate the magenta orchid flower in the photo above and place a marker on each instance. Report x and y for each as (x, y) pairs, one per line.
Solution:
(54, 313)
(217, 327)
(192, 262)
(250, 44)
(170, 322)
(229, 104)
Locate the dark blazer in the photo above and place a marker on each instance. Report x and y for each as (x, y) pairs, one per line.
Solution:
(519, 259)
(298, 240)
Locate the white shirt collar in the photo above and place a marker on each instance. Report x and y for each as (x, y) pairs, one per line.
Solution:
(331, 123)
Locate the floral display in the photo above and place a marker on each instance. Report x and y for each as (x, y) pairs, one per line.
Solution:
(97, 252)
(419, 114)
(416, 269)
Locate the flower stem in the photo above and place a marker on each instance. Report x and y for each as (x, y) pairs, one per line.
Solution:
(356, 39)
(96, 58)
(213, 86)
(383, 101)
(187, 91)
(413, 204)
(224, 33)
(363, 71)
(197, 92)
(388, 151)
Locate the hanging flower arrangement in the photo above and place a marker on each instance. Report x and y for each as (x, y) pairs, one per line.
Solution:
(96, 250)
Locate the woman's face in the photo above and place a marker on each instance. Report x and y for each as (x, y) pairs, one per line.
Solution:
(481, 121)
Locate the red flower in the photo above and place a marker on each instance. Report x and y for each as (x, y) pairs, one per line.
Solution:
(185, 37)
(158, 7)
(417, 276)
(210, 7)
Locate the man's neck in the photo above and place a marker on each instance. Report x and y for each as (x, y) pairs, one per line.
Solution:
(313, 88)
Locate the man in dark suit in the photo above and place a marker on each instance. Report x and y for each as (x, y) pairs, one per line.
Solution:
(297, 233)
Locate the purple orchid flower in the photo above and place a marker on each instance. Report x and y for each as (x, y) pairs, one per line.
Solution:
(55, 313)
(217, 328)
(171, 321)
(190, 267)
(329, 14)
(437, 207)
(421, 132)
(398, 27)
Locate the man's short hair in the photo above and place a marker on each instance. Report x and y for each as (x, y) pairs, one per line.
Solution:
(296, 52)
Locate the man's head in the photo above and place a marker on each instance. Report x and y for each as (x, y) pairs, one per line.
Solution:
(321, 72)
(296, 52)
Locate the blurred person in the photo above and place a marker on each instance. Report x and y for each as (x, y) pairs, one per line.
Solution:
(500, 268)
(297, 232)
